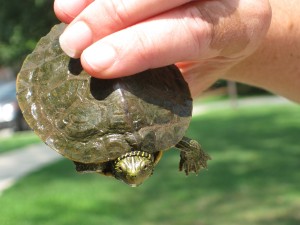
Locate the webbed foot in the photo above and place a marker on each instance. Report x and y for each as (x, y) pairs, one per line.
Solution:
(192, 157)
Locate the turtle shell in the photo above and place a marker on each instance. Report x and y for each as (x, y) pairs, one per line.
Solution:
(93, 120)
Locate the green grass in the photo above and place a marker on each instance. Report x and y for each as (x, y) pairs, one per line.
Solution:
(253, 178)
(210, 98)
(18, 140)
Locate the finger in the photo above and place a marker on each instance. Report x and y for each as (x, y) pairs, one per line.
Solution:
(172, 37)
(67, 10)
(192, 32)
(104, 17)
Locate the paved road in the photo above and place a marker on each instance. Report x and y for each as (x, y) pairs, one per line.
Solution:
(18, 163)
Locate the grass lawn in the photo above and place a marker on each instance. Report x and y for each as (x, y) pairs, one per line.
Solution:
(253, 179)
(18, 140)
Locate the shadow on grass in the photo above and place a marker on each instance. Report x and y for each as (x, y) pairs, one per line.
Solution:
(253, 179)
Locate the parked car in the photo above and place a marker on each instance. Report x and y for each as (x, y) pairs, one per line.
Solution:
(10, 113)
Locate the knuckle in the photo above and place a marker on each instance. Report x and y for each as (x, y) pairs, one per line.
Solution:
(118, 12)
(144, 48)
(200, 30)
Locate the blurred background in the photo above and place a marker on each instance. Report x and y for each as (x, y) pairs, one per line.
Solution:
(252, 136)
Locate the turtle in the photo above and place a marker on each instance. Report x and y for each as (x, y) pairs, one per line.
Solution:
(116, 127)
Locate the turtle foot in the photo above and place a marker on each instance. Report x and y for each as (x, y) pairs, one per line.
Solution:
(92, 168)
(192, 157)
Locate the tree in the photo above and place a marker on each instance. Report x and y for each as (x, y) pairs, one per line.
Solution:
(22, 23)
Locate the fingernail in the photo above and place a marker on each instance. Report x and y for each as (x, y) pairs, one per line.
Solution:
(75, 39)
(99, 56)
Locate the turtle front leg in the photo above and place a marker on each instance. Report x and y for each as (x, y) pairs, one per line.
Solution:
(192, 157)
(101, 168)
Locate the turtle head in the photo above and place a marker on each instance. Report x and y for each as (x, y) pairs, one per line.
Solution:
(135, 167)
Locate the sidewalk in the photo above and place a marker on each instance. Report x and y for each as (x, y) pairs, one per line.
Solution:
(18, 163)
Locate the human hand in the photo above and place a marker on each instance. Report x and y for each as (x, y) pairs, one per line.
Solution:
(204, 38)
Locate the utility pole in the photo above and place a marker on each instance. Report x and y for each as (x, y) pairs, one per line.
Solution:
(232, 93)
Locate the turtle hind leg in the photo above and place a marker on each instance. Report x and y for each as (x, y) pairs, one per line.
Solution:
(192, 156)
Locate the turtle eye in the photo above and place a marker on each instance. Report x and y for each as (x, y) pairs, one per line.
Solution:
(119, 169)
(145, 167)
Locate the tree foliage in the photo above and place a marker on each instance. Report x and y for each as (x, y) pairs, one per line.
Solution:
(22, 23)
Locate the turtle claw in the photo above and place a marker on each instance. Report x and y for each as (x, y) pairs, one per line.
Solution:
(192, 157)
(189, 164)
